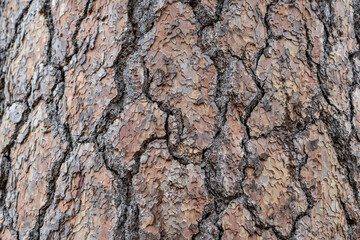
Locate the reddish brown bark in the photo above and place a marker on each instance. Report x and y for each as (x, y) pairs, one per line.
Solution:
(179, 119)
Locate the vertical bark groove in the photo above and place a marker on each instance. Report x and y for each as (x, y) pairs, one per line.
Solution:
(149, 119)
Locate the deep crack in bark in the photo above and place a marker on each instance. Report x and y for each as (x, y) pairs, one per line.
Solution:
(140, 21)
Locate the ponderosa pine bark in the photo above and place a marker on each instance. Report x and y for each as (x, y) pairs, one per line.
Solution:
(164, 119)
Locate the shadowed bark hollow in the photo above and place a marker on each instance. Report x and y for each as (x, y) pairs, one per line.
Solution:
(192, 119)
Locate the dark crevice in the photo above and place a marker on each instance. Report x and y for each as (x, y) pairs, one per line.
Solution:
(6, 166)
(342, 146)
(129, 42)
(324, 7)
(221, 99)
(308, 192)
(6, 163)
(6, 169)
(18, 21)
(170, 111)
(65, 140)
(286, 134)
(87, 10)
(251, 71)
(4, 54)
(140, 21)
(206, 215)
(320, 68)
(52, 179)
(46, 9)
(2, 7)
(309, 197)
(205, 18)
(338, 136)
(351, 220)
(352, 56)
(340, 143)
(126, 199)
(269, 34)
(59, 128)
(2, 87)
(356, 16)
(295, 219)
(258, 97)
(354, 84)
(290, 129)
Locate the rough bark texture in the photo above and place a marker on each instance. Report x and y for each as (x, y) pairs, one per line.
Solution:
(162, 119)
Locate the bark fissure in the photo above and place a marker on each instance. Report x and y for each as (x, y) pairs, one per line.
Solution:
(180, 119)
(57, 92)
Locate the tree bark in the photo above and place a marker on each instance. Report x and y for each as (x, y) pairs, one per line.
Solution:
(163, 119)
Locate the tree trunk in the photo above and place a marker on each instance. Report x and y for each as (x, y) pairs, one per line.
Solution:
(163, 119)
